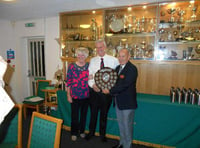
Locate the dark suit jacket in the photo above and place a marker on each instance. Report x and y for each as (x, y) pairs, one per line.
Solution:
(125, 88)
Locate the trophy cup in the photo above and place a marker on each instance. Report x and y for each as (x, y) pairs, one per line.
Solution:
(73, 52)
(193, 17)
(134, 24)
(142, 26)
(180, 27)
(138, 26)
(181, 13)
(67, 52)
(153, 25)
(171, 11)
(94, 29)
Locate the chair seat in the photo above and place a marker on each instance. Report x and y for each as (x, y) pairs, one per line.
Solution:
(8, 145)
(33, 100)
(37, 100)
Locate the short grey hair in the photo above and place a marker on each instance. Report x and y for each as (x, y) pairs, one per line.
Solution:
(82, 50)
(101, 41)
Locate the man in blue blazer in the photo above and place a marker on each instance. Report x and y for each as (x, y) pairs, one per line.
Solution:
(124, 95)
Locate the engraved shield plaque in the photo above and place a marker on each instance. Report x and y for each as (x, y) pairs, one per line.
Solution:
(105, 78)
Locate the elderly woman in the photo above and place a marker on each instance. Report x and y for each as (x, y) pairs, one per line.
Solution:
(78, 92)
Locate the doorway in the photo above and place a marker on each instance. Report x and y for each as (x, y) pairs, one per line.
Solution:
(36, 62)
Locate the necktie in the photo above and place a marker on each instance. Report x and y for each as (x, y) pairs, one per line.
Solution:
(120, 69)
(102, 63)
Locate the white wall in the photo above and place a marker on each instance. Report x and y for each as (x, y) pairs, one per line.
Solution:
(6, 37)
(14, 35)
(52, 47)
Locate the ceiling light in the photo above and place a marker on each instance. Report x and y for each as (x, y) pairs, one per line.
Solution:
(109, 34)
(173, 4)
(84, 26)
(129, 8)
(192, 2)
(144, 7)
(123, 40)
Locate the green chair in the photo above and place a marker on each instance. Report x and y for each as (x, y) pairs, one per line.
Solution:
(45, 131)
(64, 108)
(11, 129)
(34, 102)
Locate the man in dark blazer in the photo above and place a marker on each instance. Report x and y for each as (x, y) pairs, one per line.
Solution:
(124, 95)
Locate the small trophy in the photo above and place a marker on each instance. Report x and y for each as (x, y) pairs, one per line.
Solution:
(193, 17)
(94, 29)
(73, 50)
(138, 26)
(171, 11)
(181, 13)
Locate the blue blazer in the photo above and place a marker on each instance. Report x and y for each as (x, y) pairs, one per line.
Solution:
(124, 90)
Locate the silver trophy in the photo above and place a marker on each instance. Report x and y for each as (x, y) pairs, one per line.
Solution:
(171, 11)
(193, 17)
(181, 13)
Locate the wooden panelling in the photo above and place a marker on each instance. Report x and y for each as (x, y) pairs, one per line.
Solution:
(156, 78)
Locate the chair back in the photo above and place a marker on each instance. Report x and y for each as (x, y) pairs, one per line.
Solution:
(11, 128)
(44, 131)
(40, 85)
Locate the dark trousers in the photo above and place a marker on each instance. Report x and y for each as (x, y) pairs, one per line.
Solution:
(99, 102)
(78, 115)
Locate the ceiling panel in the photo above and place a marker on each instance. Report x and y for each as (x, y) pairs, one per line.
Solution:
(30, 9)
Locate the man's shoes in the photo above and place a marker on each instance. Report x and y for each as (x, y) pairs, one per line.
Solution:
(89, 136)
(118, 146)
(103, 139)
(73, 137)
(82, 135)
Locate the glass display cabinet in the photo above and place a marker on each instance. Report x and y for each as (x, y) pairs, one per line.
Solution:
(179, 31)
(133, 28)
(163, 39)
(79, 29)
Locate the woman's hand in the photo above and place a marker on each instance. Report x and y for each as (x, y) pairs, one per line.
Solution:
(69, 98)
(90, 77)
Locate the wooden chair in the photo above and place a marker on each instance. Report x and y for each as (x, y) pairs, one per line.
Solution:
(44, 131)
(11, 129)
(28, 101)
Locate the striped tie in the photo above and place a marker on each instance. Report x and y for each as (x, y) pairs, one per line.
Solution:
(102, 63)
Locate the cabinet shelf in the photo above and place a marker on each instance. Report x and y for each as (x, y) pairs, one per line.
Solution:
(175, 24)
(75, 41)
(147, 61)
(72, 29)
(181, 62)
(133, 35)
(176, 43)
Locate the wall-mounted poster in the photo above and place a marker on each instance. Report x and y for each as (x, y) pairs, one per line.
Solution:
(10, 54)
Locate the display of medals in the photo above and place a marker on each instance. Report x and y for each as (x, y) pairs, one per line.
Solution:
(105, 78)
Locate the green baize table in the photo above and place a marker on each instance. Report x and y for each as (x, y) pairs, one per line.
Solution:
(157, 121)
